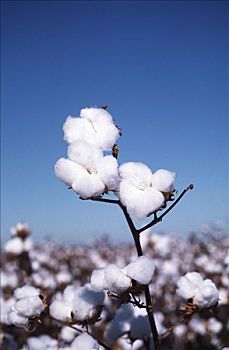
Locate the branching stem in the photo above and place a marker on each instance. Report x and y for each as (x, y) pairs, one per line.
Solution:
(136, 236)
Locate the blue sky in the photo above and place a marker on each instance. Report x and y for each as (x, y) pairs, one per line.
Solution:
(162, 67)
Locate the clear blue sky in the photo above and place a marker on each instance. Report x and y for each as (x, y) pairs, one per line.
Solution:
(162, 67)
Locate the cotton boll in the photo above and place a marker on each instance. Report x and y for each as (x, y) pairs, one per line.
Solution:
(17, 319)
(8, 279)
(116, 280)
(206, 295)
(187, 284)
(180, 330)
(26, 291)
(88, 185)
(68, 171)
(106, 136)
(214, 325)
(85, 342)
(61, 311)
(69, 294)
(142, 270)
(87, 303)
(107, 171)
(44, 342)
(68, 334)
(163, 180)
(75, 129)
(85, 154)
(5, 309)
(14, 246)
(140, 328)
(27, 245)
(140, 203)
(98, 282)
(29, 306)
(95, 114)
(137, 174)
(120, 323)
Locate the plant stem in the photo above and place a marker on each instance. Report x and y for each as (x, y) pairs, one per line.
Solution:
(149, 306)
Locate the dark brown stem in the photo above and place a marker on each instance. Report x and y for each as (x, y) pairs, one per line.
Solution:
(149, 306)
(159, 218)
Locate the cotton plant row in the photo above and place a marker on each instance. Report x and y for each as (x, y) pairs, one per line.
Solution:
(73, 307)
(92, 170)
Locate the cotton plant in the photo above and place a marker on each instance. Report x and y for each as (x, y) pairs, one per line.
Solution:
(93, 173)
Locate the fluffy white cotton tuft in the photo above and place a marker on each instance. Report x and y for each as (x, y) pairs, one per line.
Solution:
(98, 282)
(206, 295)
(163, 180)
(68, 171)
(76, 129)
(140, 202)
(17, 319)
(116, 280)
(107, 171)
(142, 270)
(87, 303)
(137, 174)
(186, 285)
(61, 311)
(29, 306)
(88, 185)
(14, 246)
(85, 154)
(85, 342)
(26, 291)
(203, 292)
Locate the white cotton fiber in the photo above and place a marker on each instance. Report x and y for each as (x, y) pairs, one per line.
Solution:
(107, 171)
(17, 319)
(86, 303)
(140, 203)
(68, 171)
(85, 154)
(186, 285)
(61, 311)
(206, 295)
(98, 115)
(137, 174)
(141, 270)
(29, 306)
(76, 129)
(98, 283)
(88, 185)
(14, 246)
(163, 180)
(26, 291)
(116, 280)
(85, 342)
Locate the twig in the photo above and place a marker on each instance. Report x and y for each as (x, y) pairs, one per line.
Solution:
(159, 218)
(149, 306)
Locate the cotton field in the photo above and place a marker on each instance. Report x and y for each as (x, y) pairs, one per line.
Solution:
(57, 296)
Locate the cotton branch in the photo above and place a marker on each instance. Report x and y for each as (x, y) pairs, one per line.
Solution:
(159, 218)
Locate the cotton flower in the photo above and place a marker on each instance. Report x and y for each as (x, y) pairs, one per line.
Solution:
(141, 191)
(203, 292)
(95, 125)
